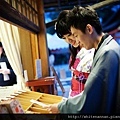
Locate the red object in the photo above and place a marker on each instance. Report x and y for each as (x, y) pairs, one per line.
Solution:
(78, 82)
(77, 85)
(76, 63)
(46, 84)
(16, 109)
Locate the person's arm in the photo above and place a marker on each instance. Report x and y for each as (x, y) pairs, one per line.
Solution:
(99, 88)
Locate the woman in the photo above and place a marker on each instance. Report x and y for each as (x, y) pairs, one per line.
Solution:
(80, 59)
(7, 75)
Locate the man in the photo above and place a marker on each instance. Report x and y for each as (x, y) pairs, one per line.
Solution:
(102, 92)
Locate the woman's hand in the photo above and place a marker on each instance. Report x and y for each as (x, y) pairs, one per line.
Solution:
(53, 108)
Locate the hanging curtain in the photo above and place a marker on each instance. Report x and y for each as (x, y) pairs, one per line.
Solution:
(11, 44)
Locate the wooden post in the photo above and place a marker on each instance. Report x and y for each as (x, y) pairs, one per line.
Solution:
(42, 41)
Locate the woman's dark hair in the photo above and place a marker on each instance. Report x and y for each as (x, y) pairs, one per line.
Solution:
(1, 44)
(73, 51)
(79, 17)
(61, 27)
(61, 24)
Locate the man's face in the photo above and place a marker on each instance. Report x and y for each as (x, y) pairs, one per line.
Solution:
(83, 38)
(69, 38)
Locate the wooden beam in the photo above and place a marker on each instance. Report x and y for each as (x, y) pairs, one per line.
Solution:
(95, 6)
(42, 41)
(52, 23)
(11, 15)
(104, 3)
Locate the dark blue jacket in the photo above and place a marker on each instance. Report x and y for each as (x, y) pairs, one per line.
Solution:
(102, 88)
(12, 75)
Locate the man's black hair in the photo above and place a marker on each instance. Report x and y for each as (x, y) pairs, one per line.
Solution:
(79, 17)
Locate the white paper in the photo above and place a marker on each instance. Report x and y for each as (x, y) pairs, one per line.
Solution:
(4, 66)
(25, 75)
(39, 103)
(38, 68)
(62, 74)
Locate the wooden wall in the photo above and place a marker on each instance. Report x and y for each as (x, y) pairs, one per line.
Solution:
(26, 52)
(33, 45)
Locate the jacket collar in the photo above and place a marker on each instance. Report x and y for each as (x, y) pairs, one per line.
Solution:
(104, 41)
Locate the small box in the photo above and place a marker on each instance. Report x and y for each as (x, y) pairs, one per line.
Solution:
(11, 106)
(3, 109)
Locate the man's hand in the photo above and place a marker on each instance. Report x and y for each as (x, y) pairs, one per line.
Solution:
(53, 108)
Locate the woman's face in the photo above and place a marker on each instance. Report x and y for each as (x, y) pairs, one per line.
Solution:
(69, 38)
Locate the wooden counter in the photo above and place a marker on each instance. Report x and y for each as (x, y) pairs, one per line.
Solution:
(43, 84)
(29, 107)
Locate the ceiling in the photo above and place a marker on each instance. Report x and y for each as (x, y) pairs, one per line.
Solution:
(103, 7)
(57, 5)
